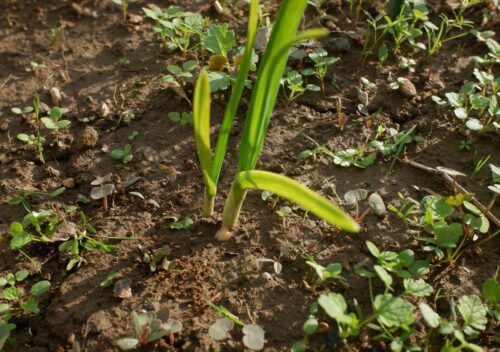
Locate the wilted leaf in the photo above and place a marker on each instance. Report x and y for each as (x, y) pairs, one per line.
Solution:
(254, 337)
(219, 330)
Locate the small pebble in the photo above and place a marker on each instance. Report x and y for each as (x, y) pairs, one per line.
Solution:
(407, 89)
(122, 288)
(55, 94)
(322, 328)
(339, 45)
(69, 182)
(88, 139)
(104, 110)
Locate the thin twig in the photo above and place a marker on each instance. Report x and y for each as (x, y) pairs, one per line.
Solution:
(6, 81)
(455, 185)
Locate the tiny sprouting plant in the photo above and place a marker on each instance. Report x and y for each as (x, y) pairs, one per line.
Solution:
(133, 135)
(397, 83)
(321, 63)
(176, 223)
(32, 139)
(47, 226)
(124, 155)
(331, 271)
(491, 293)
(447, 224)
(277, 266)
(158, 259)
(181, 74)
(183, 118)
(479, 165)
(465, 144)
(264, 95)
(103, 187)
(22, 111)
(437, 36)
(15, 301)
(54, 121)
(476, 104)
(253, 334)
(407, 64)
(34, 67)
(151, 327)
(218, 39)
(175, 26)
(375, 203)
(124, 6)
(26, 197)
(293, 85)
(493, 56)
(147, 201)
(109, 279)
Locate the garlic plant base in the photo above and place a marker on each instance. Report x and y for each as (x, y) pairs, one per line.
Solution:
(224, 234)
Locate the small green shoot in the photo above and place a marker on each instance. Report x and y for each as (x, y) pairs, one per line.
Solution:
(124, 155)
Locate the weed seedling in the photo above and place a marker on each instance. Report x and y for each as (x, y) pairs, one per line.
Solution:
(32, 139)
(479, 165)
(179, 224)
(17, 301)
(54, 121)
(181, 74)
(184, 118)
(104, 188)
(218, 39)
(150, 327)
(253, 334)
(124, 155)
(22, 111)
(176, 27)
(321, 63)
(294, 83)
(124, 6)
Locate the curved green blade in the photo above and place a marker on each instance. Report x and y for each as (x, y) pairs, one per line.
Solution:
(201, 123)
(287, 188)
(261, 122)
(239, 86)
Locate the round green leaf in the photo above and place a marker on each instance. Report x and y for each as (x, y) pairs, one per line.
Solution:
(430, 317)
(40, 288)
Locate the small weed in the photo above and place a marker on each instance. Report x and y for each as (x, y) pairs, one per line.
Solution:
(176, 27)
(17, 301)
(124, 155)
(54, 121)
(184, 118)
(124, 6)
(150, 327)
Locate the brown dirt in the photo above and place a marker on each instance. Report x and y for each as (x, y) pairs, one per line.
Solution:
(83, 64)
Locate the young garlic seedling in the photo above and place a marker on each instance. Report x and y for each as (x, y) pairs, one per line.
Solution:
(260, 110)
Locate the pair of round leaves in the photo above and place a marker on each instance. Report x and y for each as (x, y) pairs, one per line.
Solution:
(253, 334)
(375, 201)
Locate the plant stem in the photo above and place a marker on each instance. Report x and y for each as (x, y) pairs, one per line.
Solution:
(231, 212)
(208, 204)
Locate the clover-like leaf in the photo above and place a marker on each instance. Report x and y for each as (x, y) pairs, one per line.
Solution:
(418, 288)
(253, 337)
(376, 202)
(473, 311)
(355, 195)
(393, 311)
(127, 343)
(219, 330)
